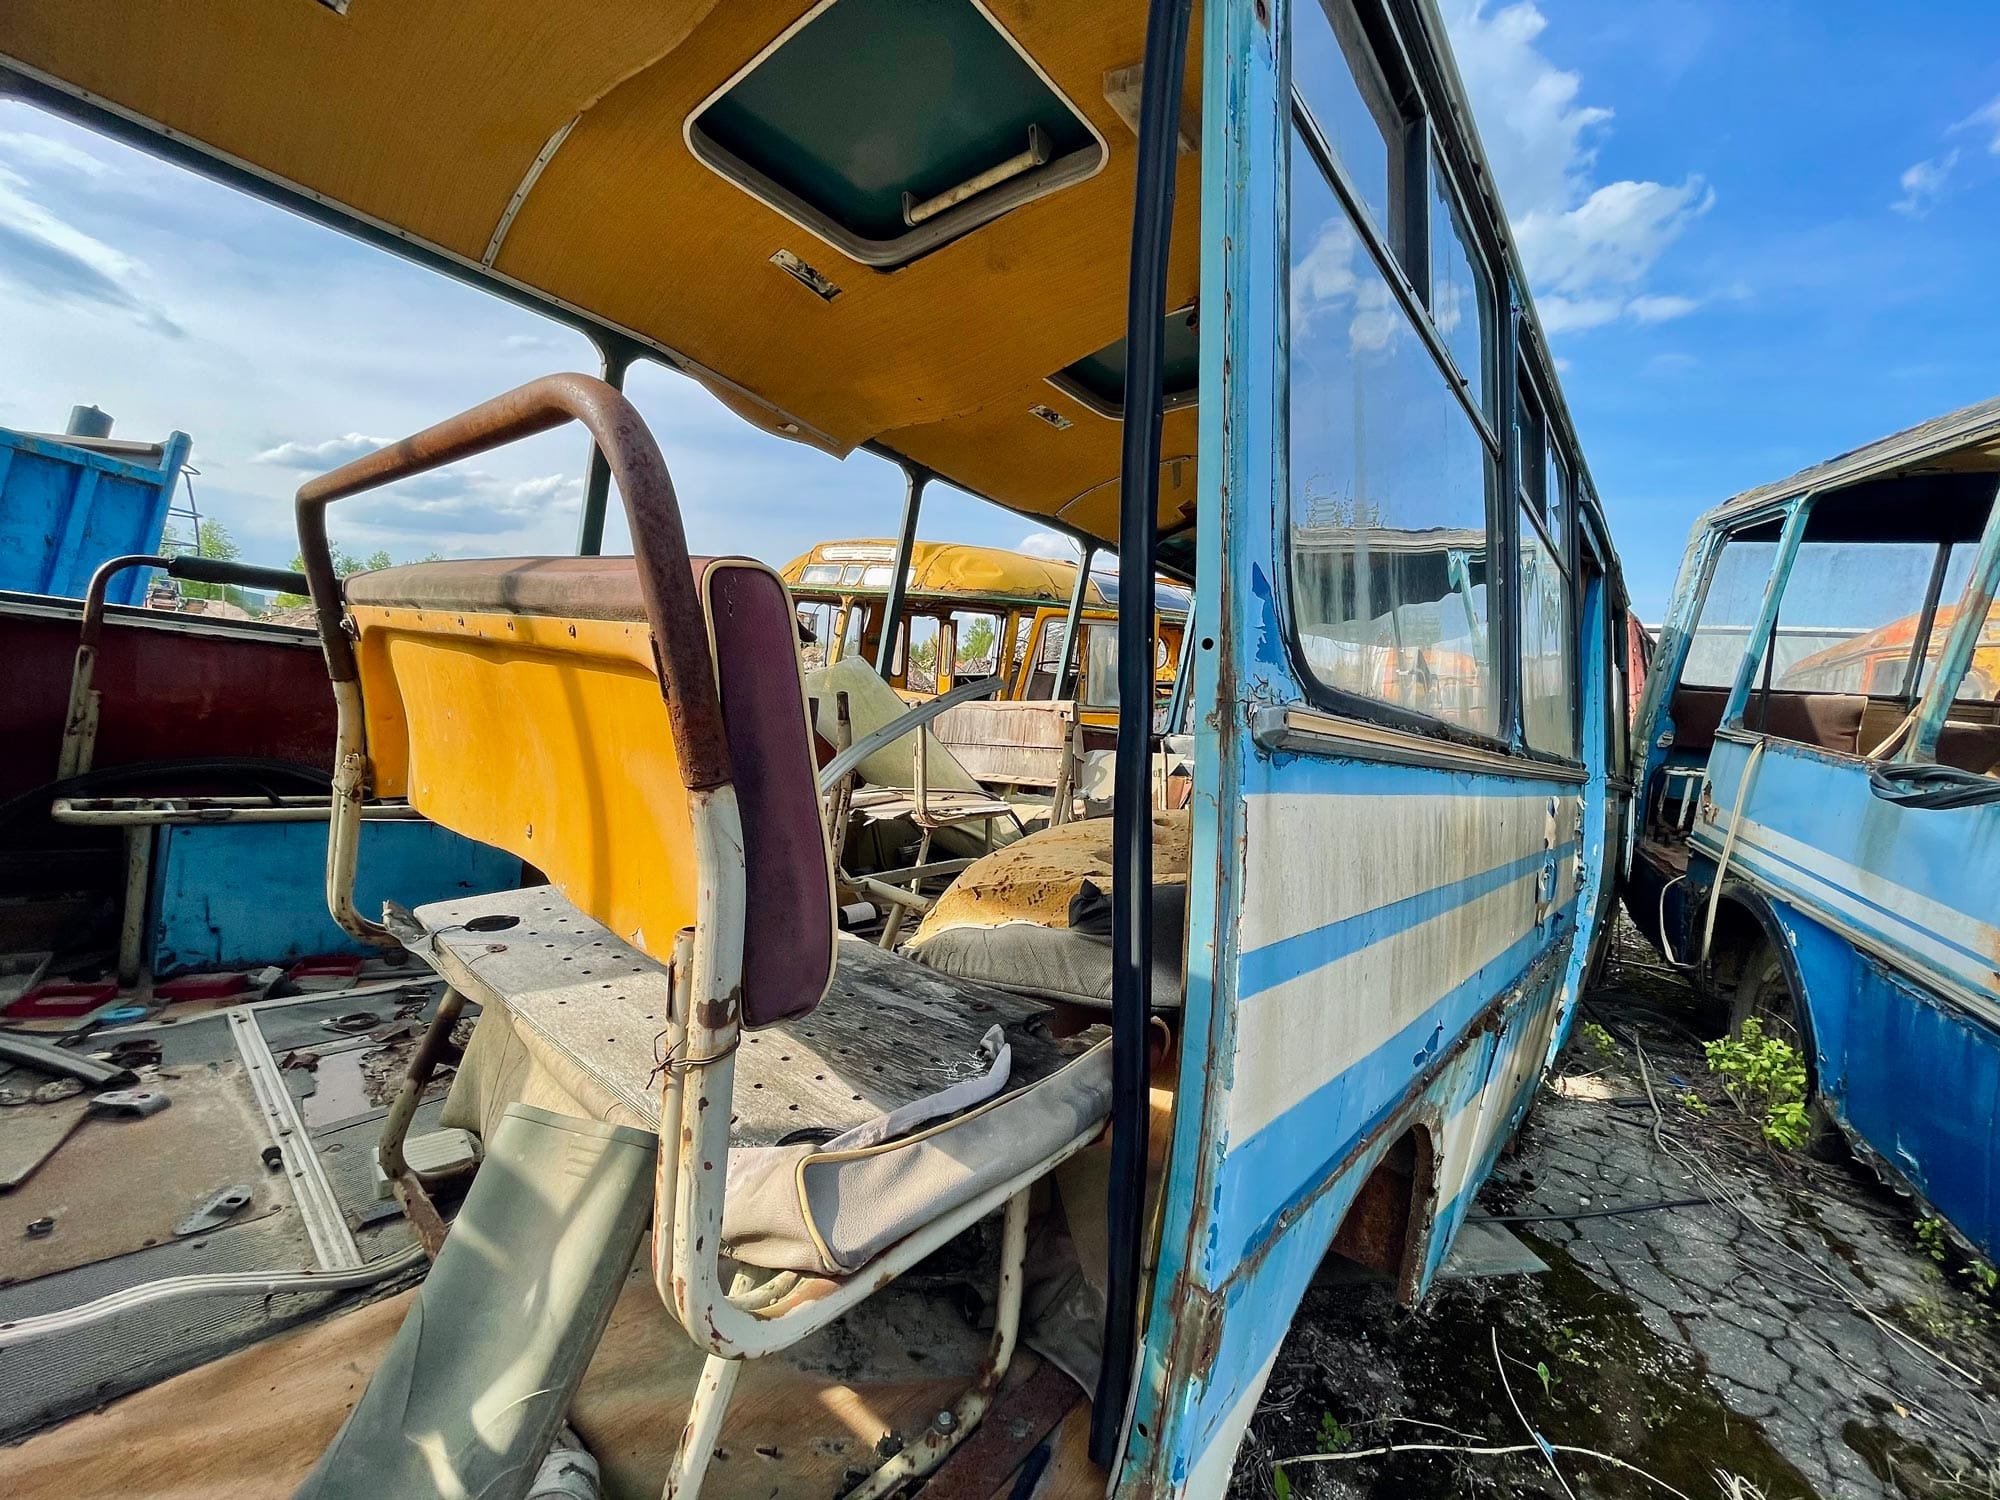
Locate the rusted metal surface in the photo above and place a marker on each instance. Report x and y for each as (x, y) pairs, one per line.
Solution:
(680, 636)
(1013, 1429)
(163, 687)
(409, 1187)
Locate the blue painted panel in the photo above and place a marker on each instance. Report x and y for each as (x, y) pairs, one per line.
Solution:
(1920, 882)
(1267, 1176)
(233, 895)
(64, 510)
(1891, 918)
(1914, 1075)
(1921, 1086)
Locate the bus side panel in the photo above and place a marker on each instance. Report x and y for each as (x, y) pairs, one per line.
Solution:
(1238, 467)
(1889, 914)
(1603, 809)
(1375, 950)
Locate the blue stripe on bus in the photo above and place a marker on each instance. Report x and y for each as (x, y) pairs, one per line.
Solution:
(1331, 773)
(1750, 852)
(1288, 1160)
(1262, 1296)
(1285, 959)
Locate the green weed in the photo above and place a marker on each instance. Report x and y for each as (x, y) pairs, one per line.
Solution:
(1765, 1078)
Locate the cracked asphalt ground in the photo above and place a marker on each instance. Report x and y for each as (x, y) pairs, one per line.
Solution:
(1791, 1338)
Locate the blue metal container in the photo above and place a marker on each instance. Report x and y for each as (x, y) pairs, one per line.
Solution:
(68, 505)
(234, 895)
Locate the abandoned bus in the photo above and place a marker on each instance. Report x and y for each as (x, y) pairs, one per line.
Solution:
(968, 612)
(1821, 765)
(1238, 304)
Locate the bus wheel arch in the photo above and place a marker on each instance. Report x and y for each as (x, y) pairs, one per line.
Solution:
(1757, 975)
(1387, 1227)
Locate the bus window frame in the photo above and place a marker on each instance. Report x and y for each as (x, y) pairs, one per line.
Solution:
(1975, 606)
(1510, 352)
(1920, 742)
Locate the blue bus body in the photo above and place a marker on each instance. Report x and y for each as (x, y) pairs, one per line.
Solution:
(1389, 922)
(1822, 836)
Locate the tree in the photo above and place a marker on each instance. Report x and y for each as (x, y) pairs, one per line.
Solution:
(344, 563)
(212, 539)
(975, 641)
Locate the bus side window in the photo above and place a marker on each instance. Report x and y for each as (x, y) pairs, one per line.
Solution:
(917, 653)
(1391, 457)
(1835, 672)
(1970, 738)
(1548, 673)
(1048, 657)
(976, 649)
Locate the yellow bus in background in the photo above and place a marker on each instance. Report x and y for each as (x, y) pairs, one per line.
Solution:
(974, 612)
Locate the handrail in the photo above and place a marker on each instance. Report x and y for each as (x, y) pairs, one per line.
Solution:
(218, 570)
(79, 742)
(666, 582)
(901, 725)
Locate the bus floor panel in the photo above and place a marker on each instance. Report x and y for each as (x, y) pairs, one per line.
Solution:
(808, 1421)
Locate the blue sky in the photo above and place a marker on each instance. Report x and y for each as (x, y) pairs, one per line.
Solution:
(1759, 234)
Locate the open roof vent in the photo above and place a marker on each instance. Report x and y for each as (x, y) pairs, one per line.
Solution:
(1098, 380)
(890, 127)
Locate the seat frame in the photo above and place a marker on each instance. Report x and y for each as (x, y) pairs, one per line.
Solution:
(705, 974)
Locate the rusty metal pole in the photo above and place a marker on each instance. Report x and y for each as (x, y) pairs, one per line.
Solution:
(597, 476)
(899, 578)
(1073, 620)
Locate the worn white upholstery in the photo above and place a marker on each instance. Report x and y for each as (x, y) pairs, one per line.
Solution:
(829, 1209)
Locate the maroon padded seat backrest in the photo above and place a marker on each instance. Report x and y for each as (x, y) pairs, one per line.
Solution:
(1829, 721)
(1970, 747)
(1697, 715)
(788, 950)
(788, 954)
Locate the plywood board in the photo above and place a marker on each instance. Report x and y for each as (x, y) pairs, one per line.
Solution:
(30, 1133)
(253, 1424)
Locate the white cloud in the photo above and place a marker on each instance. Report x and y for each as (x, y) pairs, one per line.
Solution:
(327, 455)
(1656, 308)
(1922, 183)
(1324, 282)
(1588, 248)
(1561, 314)
(25, 146)
(1985, 118)
(47, 257)
(1050, 544)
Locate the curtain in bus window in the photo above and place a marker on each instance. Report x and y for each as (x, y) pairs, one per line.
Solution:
(1545, 684)
(1388, 534)
(1100, 665)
